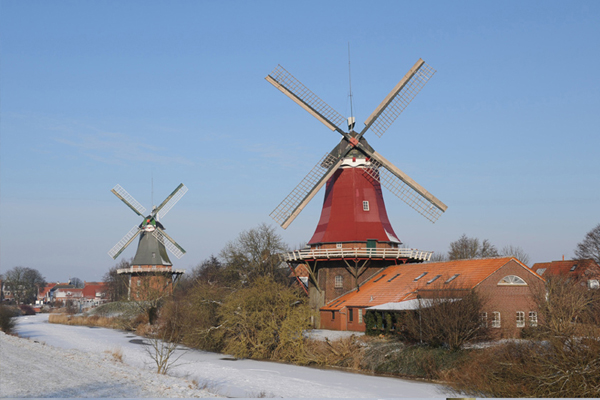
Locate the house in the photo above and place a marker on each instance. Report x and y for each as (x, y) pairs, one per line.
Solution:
(586, 272)
(92, 294)
(507, 285)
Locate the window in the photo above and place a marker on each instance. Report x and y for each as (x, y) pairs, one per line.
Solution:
(520, 319)
(483, 319)
(573, 267)
(333, 315)
(540, 271)
(350, 315)
(378, 279)
(496, 320)
(433, 279)
(138, 282)
(338, 245)
(339, 281)
(512, 280)
(532, 318)
(393, 277)
(420, 276)
(453, 277)
(360, 316)
(365, 205)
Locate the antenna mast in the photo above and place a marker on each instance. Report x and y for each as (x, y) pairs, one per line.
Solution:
(351, 119)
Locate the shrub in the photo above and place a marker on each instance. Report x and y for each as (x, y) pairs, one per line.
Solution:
(265, 321)
(26, 310)
(7, 323)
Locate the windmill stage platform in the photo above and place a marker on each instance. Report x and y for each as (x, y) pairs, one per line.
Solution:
(400, 254)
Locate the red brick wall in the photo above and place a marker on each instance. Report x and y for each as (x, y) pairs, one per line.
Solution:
(508, 299)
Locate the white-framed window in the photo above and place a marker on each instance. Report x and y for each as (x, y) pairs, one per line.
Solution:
(338, 245)
(339, 281)
(512, 280)
(483, 319)
(520, 319)
(138, 282)
(533, 318)
(365, 205)
(496, 323)
(360, 316)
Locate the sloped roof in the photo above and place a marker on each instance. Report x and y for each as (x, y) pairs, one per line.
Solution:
(400, 282)
(91, 288)
(566, 267)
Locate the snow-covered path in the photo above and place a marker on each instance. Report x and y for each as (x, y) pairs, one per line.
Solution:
(224, 375)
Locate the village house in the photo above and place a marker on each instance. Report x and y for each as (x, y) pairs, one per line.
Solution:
(92, 294)
(586, 272)
(507, 285)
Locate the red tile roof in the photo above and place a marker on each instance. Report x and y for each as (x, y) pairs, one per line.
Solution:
(576, 268)
(400, 282)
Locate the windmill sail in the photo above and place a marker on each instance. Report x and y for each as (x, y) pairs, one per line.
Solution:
(169, 243)
(399, 98)
(171, 200)
(129, 200)
(405, 188)
(300, 94)
(295, 202)
(123, 243)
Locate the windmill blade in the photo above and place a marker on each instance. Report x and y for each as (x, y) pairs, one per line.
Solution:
(295, 202)
(400, 97)
(168, 242)
(171, 200)
(405, 188)
(306, 99)
(123, 243)
(129, 200)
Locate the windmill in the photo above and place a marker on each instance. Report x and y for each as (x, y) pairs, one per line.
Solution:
(354, 237)
(153, 238)
(341, 219)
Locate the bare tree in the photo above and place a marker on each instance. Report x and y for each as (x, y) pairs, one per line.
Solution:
(467, 248)
(447, 318)
(117, 284)
(78, 283)
(24, 283)
(590, 246)
(516, 252)
(255, 253)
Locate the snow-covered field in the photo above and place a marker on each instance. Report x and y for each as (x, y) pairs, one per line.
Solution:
(73, 361)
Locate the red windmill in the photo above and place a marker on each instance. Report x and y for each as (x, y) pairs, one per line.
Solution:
(354, 225)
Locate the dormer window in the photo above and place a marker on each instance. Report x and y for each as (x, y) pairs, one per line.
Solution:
(365, 205)
(433, 279)
(453, 277)
(420, 276)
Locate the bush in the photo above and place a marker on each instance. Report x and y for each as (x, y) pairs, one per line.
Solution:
(265, 321)
(7, 322)
(26, 310)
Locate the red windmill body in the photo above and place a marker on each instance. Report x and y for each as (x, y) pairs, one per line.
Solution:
(353, 209)
(354, 238)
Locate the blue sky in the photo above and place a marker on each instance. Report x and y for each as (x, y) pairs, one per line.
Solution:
(99, 93)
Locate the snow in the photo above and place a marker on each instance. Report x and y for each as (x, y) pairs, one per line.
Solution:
(75, 361)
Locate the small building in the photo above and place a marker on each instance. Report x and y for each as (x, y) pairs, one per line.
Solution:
(586, 272)
(508, 286)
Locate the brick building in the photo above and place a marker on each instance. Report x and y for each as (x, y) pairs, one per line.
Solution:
(507, 285)
(586, 272)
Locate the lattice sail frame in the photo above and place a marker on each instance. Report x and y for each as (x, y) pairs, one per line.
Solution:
(168, 242)
(306, 187)
(297, 89)
(403, 191)
(402, 99)
(180, 191)
(124, 242)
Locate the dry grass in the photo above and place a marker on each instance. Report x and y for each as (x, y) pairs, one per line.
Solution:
(94, 320)
(116, 354)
